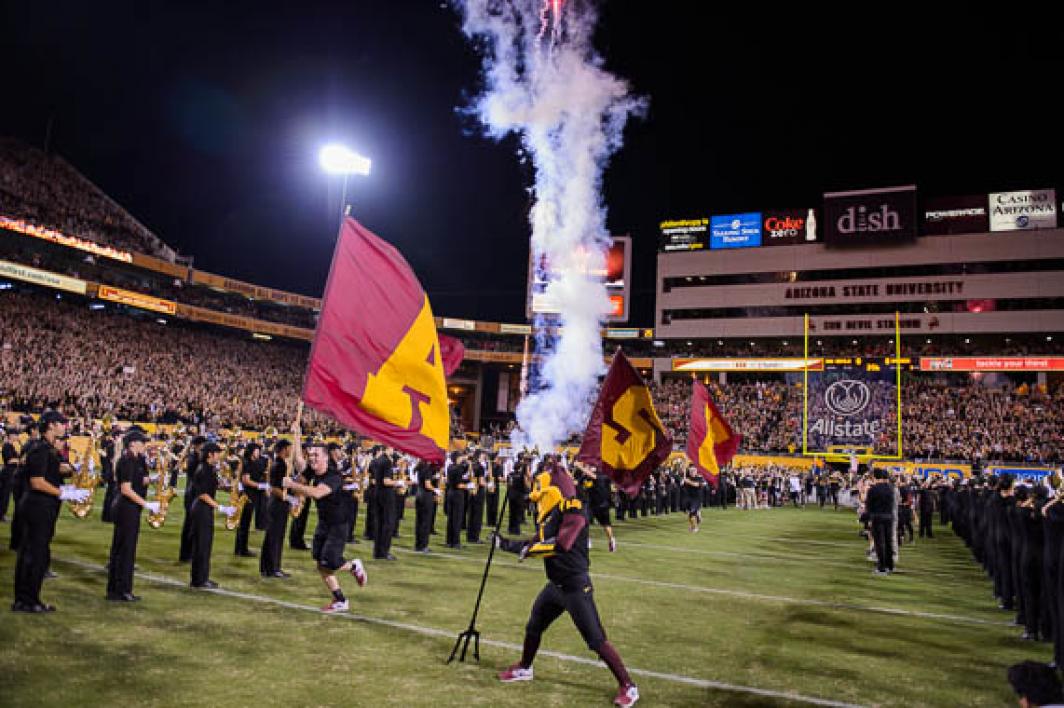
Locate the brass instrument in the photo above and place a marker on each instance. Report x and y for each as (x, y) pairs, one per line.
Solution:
(297, 509)
(163, 491)
(85, 476)
(237, 498)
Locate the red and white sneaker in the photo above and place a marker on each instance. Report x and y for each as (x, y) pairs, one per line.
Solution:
(613, 544)
(334, 607)
(516, 673)
(359, 572)
(627, 695)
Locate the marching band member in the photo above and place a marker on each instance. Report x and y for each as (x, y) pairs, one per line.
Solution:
(204, 506)
(38, 510)
(192, 463)
(131, 476)
(253, 478)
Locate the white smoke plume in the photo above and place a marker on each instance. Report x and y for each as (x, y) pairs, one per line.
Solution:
(545, 82)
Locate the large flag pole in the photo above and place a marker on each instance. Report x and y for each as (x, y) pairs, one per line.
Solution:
(471, 634)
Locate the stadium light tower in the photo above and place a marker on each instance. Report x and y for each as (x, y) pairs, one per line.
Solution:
(338, 159)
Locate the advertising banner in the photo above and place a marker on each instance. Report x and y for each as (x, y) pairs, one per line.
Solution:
(747, 364)
(683, 235)
(786, 227)
(139, 300)
(943, 216)
(616, 273)
(735, 231)
(991, 363)
(870, 216)
(1024, 210)
(854, 406)
(42, 277)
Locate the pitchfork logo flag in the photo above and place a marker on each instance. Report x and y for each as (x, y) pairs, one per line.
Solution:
(711, 442)
(376, 364)
(625, 438)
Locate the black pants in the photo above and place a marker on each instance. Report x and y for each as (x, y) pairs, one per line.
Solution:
(6, 475)
(926, 517)
(400, 509)
(298, 529)
(821, 497)
(517, 514)
(578, 601)
(38, 518)
(456, 502)
(884, 541)
(273, 541)
(1031, 582)
(1003, 571)
(185, 553)
(371, 513)
(18, 489)
(123, 548)
(257, 500)
(476, 517)
(491, 505)
(352, 515)
(426, 502)
(833, 495)
(107, 513)
(243, 531)
(385, 516)
(905, 524)
(202, 540)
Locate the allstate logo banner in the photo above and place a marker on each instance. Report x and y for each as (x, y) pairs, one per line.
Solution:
(853, 405)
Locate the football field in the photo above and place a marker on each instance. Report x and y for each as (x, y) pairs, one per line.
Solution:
(771, 607)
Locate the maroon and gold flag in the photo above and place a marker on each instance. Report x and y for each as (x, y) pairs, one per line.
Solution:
(625, 438)
(376, 364)
(711, 442)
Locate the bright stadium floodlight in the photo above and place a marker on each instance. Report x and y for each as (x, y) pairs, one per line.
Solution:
(339, 160)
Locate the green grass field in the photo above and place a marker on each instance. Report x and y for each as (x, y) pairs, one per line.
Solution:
(779, 601)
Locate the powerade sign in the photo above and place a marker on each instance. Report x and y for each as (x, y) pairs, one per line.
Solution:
(955, 215)
(735, 231)
(870, 216)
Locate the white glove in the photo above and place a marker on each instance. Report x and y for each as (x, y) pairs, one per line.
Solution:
(436, 492)
(350, 487)
(264, 488)
(293, 501)
(68, 492)
(226, 510)
(152, 507)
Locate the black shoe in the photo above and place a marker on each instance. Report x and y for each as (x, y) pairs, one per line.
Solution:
(390, 557)
(41, 607)
(111, 597)
(21, 607)
(246, 554)
(130, 597)
(304, 547)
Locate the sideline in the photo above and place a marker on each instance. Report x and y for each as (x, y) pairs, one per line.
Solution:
(448, 634)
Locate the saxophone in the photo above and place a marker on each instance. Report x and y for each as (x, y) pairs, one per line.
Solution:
(163, 491)
(237, 498)
(85, 477)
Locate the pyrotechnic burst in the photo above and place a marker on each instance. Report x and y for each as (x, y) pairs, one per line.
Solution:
(546, 83)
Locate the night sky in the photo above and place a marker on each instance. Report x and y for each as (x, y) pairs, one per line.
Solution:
(205, 122)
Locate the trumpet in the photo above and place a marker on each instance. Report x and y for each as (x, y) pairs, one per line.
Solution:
(159, 455)
(237, 497)
(85, 477)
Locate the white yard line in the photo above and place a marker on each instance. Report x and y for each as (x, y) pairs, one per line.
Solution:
(436, 632)
(755, 596)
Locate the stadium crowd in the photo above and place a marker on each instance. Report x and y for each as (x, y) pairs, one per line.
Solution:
(108, 363)
(45, 190)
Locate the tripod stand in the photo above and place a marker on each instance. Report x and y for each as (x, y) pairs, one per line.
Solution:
(471, 634)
